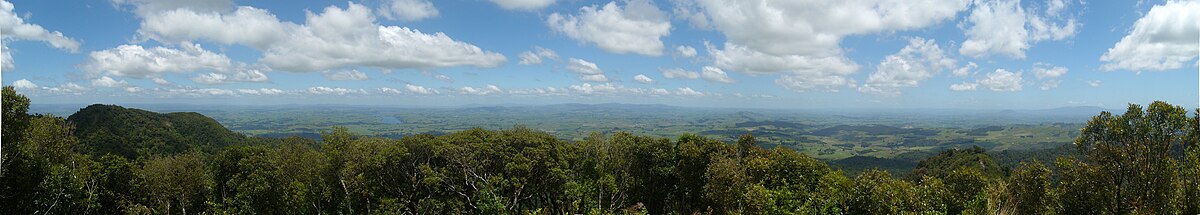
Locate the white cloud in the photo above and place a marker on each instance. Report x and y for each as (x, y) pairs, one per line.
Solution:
(1094, 83)
(1049, 75)
(594, 78)
(523, 4)
(408, 10)
(535, 57)
(807, 83)
(528, 58)
(799, 72)
(442, 77)
(1050, 84)
(68, 87)
(1002, 80)
(587, 71)
(109, 82)
(24, 84)
(1163, 39)
(965, 70)
(679, 73)
(15, 28)
(138, 62)
(788, 27)
(262, 91)
(921, 59)
(489, 89)
(635, 28)
(640, 78)
(6, 63)
(241, 74)
(688, 91)
(714, 74)
(1041, 71)
(800, 40)
(965, 86)
(420, 89)
(685, 51)
(659, 92)
(161, 81)
(333, 39)
(345, 75)
(587, 88)
(387, 90)
(1004, 27)
(334, 91)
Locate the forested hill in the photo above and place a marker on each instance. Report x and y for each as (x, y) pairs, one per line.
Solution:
(131, 132)
(112, 160)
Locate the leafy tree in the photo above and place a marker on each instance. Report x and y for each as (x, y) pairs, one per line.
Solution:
(1030, 190)
(175, 184)
(15, 120)
(1133, 156)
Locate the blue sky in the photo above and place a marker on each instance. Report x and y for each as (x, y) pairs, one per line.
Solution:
(712, 53)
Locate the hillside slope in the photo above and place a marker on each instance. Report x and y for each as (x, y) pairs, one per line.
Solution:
(133, 132)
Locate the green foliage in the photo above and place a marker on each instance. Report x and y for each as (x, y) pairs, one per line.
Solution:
(1133, 155)
(134, 133)
(137, 162)
(942, 164)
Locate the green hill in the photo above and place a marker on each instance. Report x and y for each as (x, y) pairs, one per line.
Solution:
(132, 133)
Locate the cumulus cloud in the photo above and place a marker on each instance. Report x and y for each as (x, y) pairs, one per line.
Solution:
(523, 4)
(799, 72)
(1004, 27)
(587, 71)
(138, 62)
(921, 59)
(965, 70)
(640, 78)
(1002, 80)
(161, 81)
(408, 10)
(487, 90)
(1094, 83)
(335, 38)
(6, 63)
(345, 75)
(635, 28)
(15, 28)
(535, 57)
(965, 86)
(688, 91)
(24, 84)
(420, 89)
(800, 41)
(334, 91)
(685, 51)
(109, 82)
(714, 74)
(1163, 39)
(679, 73)
(261, 91)
(241, 74)
(1049, 75)
(388, 90)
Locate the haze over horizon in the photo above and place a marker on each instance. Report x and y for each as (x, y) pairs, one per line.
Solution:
(773, 54)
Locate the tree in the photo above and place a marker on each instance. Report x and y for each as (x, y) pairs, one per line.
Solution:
(1133, 154)
(15, 120)
(175, 184)
(1030, 188)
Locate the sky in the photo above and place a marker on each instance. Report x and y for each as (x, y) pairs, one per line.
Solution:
(777, 54)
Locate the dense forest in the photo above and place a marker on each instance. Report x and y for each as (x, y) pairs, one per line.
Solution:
(107, 159)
